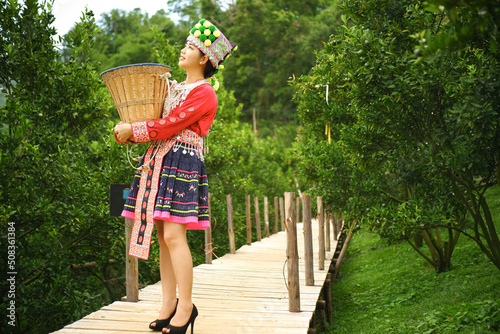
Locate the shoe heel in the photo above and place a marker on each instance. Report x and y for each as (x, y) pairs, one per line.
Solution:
(183, 329)
(194, 318)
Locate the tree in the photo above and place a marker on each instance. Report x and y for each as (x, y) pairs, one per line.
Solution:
(126, 37)
(421, 138)
(278, 39)
(55, 151)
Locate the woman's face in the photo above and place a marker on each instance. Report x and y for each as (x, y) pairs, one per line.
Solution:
(191, 57)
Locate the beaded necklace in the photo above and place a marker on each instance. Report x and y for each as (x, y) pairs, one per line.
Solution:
(177, 95)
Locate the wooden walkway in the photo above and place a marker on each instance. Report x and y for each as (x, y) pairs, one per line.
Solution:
(238, 293)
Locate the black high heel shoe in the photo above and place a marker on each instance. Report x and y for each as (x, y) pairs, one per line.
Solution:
(160, 324)
(183, 329)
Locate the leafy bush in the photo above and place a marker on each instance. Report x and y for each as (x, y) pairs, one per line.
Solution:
(399, 134)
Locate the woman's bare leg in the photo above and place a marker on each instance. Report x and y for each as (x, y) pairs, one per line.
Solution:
(168, 282)
(174, 236)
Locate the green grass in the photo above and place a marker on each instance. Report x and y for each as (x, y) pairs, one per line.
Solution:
(391, 289)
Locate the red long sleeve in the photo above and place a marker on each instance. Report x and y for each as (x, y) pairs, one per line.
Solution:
(196, 114)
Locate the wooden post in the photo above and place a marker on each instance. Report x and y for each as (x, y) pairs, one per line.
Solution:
(340, 222)
(308, 242)
(325, 221)
(276, 215)
(131, 266)
(230, 224)
(328, 217)
(328, 298)
(282, 214)
(249, 220)
(321, 311)
(335, 226)
(297, 209)
(343, 251)
(321, 235)
(292, 255)
(208, 233)
(254, 118)
(266, 216)
(257, 218)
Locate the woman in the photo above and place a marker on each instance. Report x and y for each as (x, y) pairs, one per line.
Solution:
(170, 190)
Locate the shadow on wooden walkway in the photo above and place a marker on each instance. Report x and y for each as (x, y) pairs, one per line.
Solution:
(238, 293)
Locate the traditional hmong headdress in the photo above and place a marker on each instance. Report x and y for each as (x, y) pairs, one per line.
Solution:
(210, 40)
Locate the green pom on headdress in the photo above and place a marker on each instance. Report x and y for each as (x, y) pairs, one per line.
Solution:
(205, 35)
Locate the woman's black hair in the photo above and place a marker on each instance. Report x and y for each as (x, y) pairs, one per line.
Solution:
(210, 70)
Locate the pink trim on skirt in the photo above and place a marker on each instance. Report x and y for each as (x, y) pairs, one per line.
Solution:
(192, 224)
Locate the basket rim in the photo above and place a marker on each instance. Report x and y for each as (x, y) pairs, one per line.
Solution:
(131, 65)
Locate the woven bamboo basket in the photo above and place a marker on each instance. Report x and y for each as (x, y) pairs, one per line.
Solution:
(137, 90)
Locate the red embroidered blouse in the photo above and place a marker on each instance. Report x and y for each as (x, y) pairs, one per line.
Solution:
(197, 114)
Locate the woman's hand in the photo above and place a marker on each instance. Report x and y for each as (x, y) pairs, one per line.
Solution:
(124, 133)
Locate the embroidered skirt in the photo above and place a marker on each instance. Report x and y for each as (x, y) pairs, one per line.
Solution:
(173, 187)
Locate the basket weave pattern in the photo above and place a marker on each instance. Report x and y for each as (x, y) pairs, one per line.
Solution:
(138, 91)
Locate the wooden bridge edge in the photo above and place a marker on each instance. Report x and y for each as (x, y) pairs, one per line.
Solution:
(324, 307)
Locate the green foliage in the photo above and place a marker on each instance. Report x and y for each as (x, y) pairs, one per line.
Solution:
(277, 39)
(127, 37)
(191, 11)
(463, 23)
(405, 133)
(167, 53)
(482, 316)
(56, 149)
